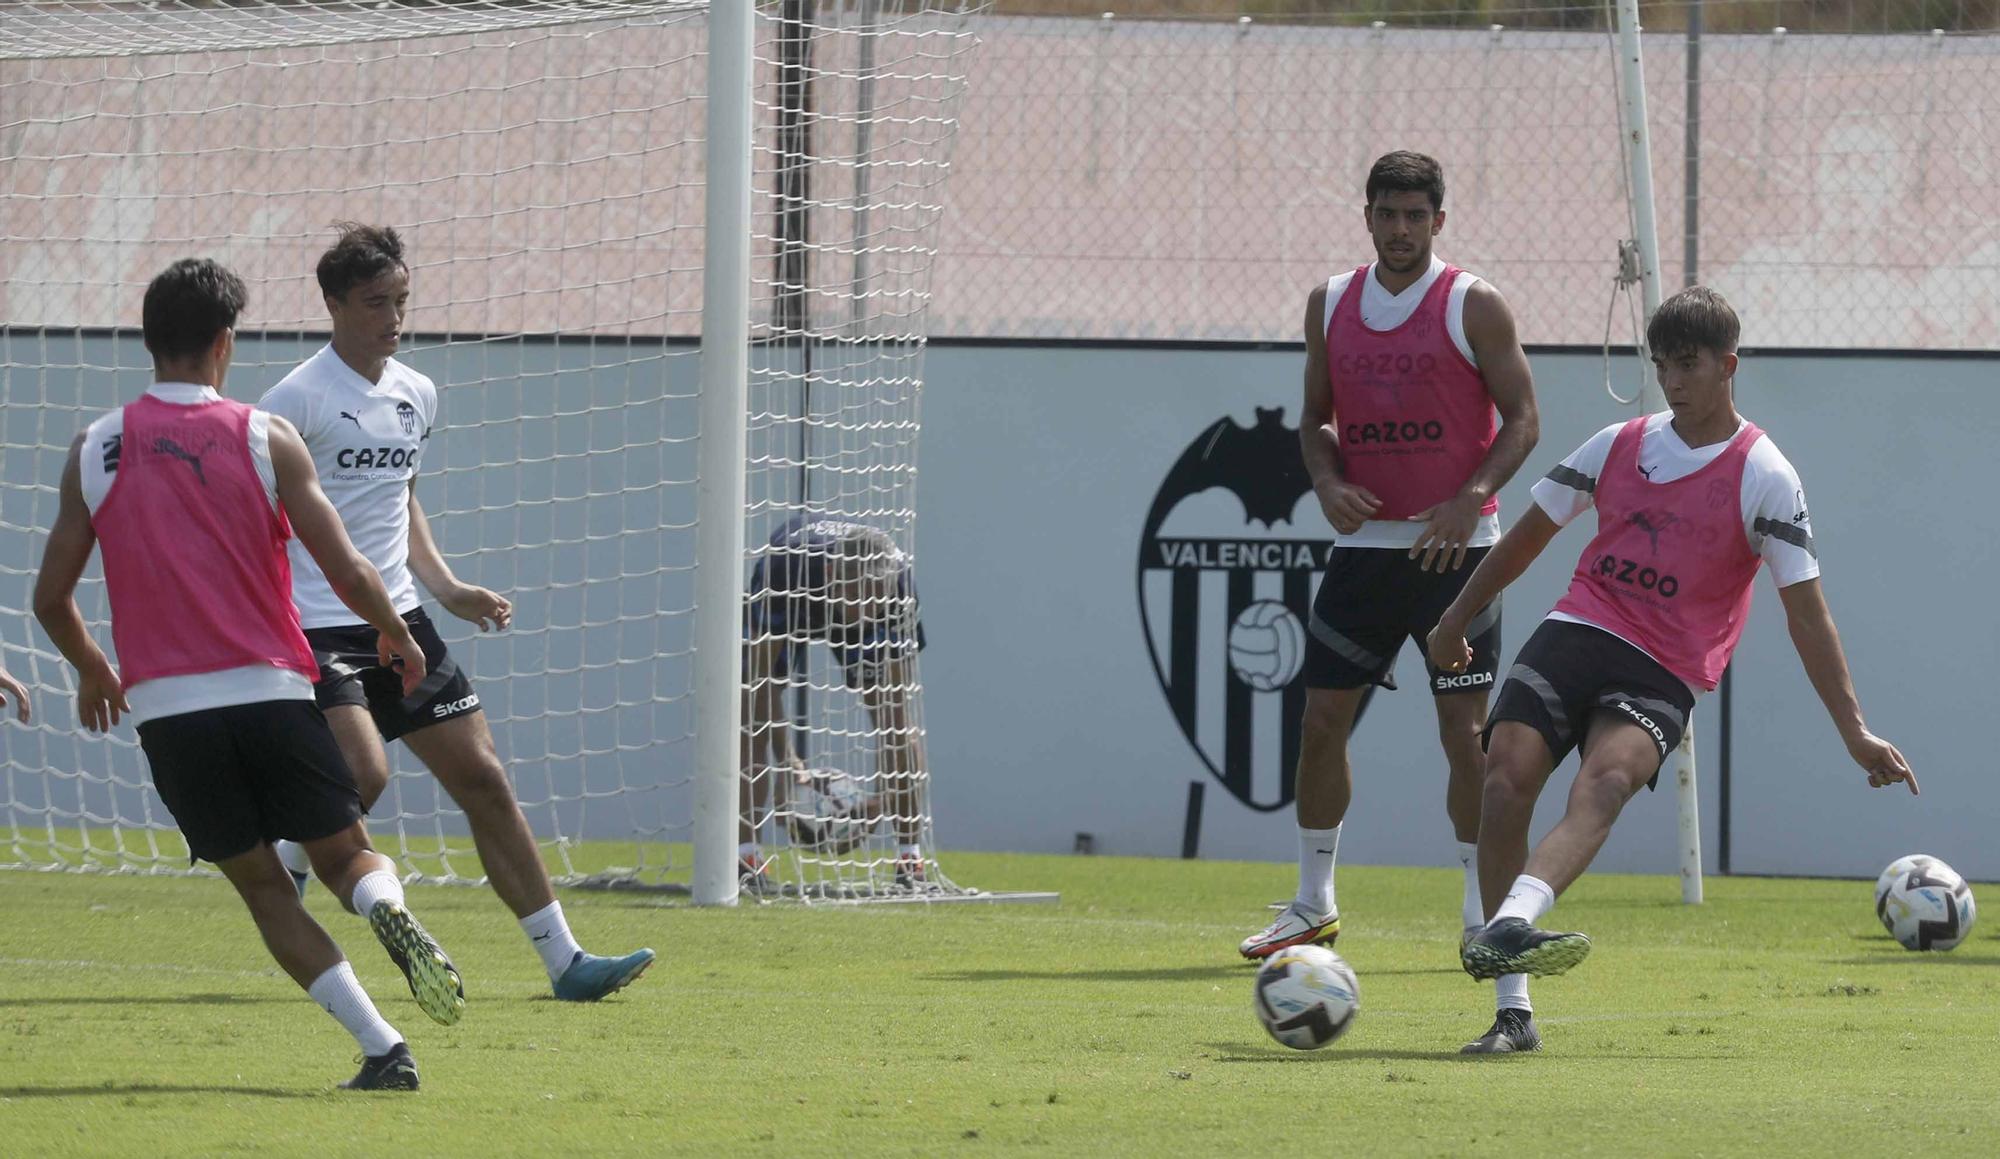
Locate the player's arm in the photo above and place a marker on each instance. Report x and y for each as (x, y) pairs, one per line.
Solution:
(1818, 645)
(468, 602)
(348, 572)
(99, 700)
(1490, 331)
(1345, 505)
(1522, 544)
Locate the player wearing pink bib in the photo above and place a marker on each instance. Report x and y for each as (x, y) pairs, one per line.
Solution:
(1407, 360)
(192, 499)
(1690, 502)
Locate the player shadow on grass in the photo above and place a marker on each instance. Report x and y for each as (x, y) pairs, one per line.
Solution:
(124, 1089)
(1205, 972)
(145, 1000)
(1334, 1055)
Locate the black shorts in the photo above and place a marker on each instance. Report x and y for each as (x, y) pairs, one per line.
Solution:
(350, 673)
(1374, 598)
(1566, 672)
(239, 776)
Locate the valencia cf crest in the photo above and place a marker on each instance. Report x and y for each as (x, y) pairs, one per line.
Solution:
(1225, 592)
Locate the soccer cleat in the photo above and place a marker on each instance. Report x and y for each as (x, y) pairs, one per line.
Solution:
(1293, 927)
(1466, 935)
(1512, 946)
(913, 875)
(751, 878)
(394, 1071)
(434, 981)
(1513, 1033)
(590, 977)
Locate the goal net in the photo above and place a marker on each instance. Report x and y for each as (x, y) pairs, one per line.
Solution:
(544, 161)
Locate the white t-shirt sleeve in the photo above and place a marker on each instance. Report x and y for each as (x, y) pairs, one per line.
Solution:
(293, 405)
(1775, 516)
(1570, 487)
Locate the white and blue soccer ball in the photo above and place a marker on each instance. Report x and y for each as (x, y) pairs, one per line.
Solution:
(1306, 996)
(1924, 903)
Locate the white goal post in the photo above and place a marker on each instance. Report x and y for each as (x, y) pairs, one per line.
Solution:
(670, 271)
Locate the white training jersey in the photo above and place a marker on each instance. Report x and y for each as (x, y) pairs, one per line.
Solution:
(366, 440)
(97, 466)
(1382, 310)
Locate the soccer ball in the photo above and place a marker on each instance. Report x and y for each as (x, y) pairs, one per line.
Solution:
(825, 811)
(1267, 645)
(1924, 903)
(1306, 996)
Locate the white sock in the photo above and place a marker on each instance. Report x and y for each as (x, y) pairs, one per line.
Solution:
(1317, 850)
(339, 993)
(549, 932)
(294, 856)
(379, 886)
(909, 849)
(751, 852)
(1528, 900)
(1511, 993)
(1471, 911)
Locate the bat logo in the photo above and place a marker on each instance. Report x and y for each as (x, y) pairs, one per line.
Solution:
(1225, 594)
(407, 416)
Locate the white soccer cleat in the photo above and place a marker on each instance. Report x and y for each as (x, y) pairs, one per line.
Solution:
(1293, 927)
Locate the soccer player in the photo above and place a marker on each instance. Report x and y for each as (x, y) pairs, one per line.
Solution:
(19, 691)
(192, 498)
(1689, 502)
(366, 419)
(1407, 359)
(849, 586)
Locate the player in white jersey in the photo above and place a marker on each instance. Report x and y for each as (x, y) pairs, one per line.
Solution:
(366, 418)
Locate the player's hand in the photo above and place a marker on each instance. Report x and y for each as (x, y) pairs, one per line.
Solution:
(1881, 761)
(1448, 527)
(474, 604)
(1345, 505)
(99, 699)
(403, 657)
(1447, 646)
(13, 689)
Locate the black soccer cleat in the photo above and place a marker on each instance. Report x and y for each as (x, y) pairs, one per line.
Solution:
(434, 981)
(1512, 946)
(394, 1071)
(1513, 1033)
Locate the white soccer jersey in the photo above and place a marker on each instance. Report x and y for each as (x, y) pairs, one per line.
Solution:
(366, 440)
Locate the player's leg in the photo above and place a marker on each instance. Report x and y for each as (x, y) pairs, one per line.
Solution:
(1461, 702)
(1358, 623)
(344, 655)
(213, 771)
(366, 882)
(885, 683)
(306, 953)
(1619, 759)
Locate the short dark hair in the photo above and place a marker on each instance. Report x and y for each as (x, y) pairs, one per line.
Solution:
(1696, 318)
(188, 305)
(1405, 172)
(362, 254)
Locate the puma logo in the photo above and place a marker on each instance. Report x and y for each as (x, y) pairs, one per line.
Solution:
(1648, 472)
(1644, 521)
(166, 446)
(351, 418)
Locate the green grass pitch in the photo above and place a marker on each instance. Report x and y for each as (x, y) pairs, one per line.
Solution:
(141, 1016)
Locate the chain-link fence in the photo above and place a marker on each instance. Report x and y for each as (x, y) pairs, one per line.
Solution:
(1128, 176)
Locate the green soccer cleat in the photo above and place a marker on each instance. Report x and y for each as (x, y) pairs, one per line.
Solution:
(1512, 946)
(434, 981)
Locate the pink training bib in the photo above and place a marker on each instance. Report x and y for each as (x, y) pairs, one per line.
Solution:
(1415, 417)
(1671, 567)
(194, 553)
